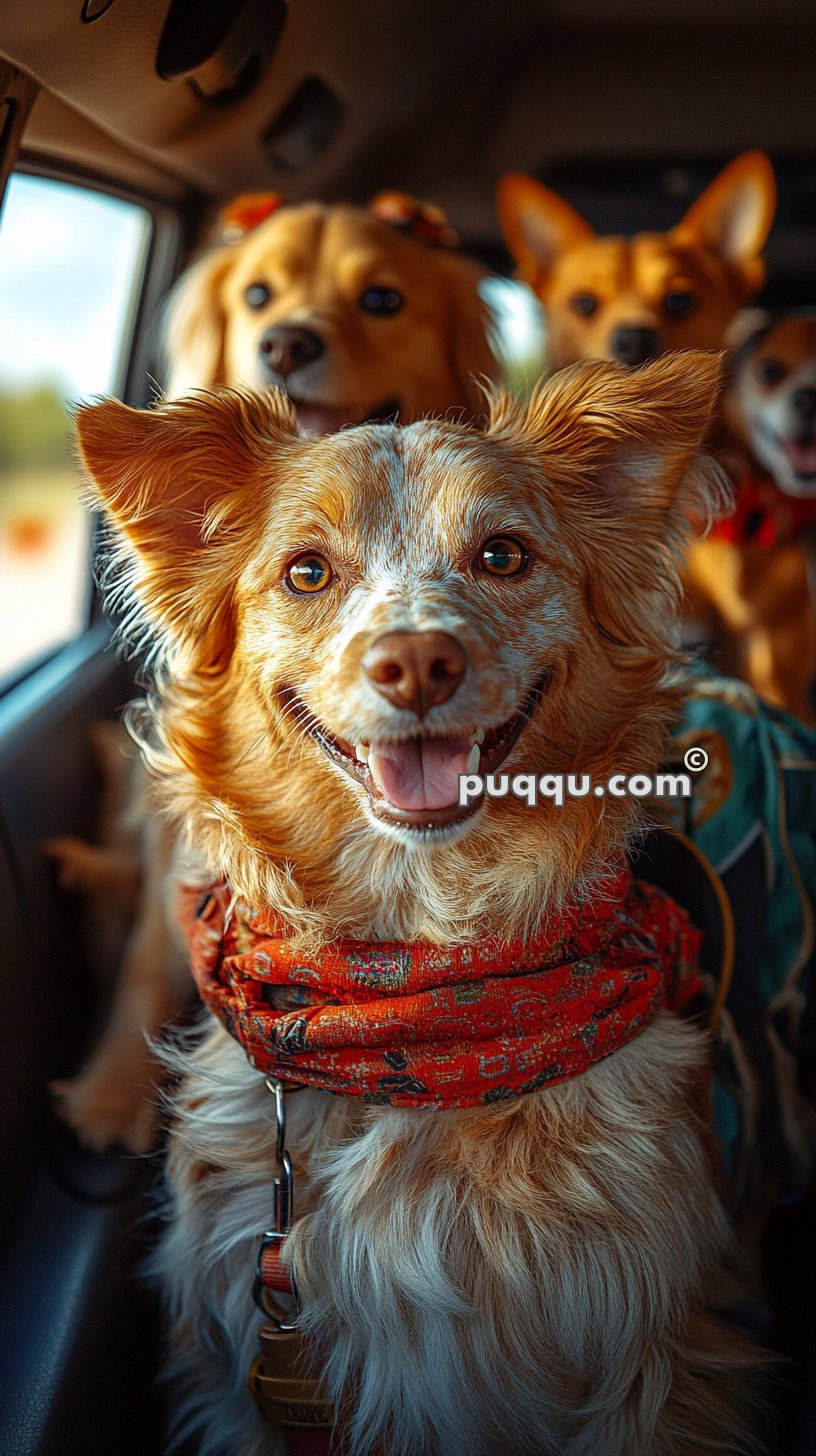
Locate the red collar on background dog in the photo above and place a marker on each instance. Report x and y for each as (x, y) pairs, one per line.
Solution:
(421, 1025)
(765, 516)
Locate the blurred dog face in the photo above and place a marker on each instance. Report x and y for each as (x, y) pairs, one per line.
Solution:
(771, 402)
(633, 299)
(350, 619)
(353, 320)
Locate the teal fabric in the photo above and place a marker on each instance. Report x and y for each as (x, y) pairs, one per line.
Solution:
(753, 815)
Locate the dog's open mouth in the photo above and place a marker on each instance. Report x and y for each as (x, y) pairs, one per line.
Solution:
(413, 782)
(320, 419)
(801, 454)
(799, 451)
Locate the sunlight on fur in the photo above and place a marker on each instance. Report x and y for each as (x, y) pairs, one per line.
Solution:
(538, 1276)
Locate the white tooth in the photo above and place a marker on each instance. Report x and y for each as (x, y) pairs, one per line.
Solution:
(374, 770)
(361, 751)
(477, 736)
(473, 759)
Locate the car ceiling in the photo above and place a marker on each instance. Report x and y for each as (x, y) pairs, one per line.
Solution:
(435, 98)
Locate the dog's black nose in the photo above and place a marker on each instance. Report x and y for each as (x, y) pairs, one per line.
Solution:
(415, 670)
(804, 406)
(285, 348)
(635, 346)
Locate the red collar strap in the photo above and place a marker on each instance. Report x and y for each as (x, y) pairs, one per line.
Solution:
(765, 516)
(421, 1025)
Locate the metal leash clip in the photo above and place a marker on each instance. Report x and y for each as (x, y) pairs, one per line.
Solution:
(285, 1383)
(271, 1274)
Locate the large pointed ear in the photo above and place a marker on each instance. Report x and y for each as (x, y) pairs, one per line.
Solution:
(193, 325)
(744, 325)
(537, 224)
(618, 452)
(734, 216)
(179, 483)
(624, 438)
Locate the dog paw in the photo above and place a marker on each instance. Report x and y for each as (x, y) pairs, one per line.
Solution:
(106, 1113)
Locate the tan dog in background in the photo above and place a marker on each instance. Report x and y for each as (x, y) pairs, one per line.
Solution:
(357, 315)
(754, 572)
(353, 317)
(632, 299)
(542, 1273)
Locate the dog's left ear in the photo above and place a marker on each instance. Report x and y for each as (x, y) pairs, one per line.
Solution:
(174, 481)
(623, 442)
(538, 224)
(618, 459)
(734, 216)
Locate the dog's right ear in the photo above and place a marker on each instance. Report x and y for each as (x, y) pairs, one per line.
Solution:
(193, 325)
(733, 218)
(537, 224)
(744, 325)
(181, 484)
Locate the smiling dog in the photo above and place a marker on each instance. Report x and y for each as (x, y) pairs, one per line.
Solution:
(357, 314)
(507, 1234)
(755, 572)
(770, 405)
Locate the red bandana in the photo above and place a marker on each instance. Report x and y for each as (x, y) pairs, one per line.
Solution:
(421, 1025)
(765, 516)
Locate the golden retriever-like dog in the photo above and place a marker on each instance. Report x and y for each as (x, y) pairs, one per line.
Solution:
(358, 314)
(353, 317)
(344, 624)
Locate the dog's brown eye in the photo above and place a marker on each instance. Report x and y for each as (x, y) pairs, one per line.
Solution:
(309, 573)
(257, 295)
(679, 303)
(585, 304)
(770, 371)
(501, 556)
(381, 301)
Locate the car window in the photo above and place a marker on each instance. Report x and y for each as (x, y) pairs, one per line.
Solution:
(71, 267)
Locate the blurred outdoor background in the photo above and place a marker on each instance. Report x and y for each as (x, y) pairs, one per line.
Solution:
(71, 264)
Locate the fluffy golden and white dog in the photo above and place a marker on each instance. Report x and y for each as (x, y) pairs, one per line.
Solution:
(337, 621)
(357, 317)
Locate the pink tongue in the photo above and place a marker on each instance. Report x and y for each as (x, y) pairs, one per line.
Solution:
(315, 420)
(420, 773)
(802, 457)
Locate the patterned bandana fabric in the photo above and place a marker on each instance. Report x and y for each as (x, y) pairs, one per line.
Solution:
(764, 516)
(420, 220)
(422, 1025)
